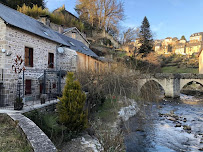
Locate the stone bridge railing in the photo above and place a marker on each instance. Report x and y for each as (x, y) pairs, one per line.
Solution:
(171, 83)
(170, 76)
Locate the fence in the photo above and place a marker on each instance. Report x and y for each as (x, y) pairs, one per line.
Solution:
(31, 86)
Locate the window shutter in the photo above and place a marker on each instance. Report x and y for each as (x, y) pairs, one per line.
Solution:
(27, 87)
(52, 60)
(49, 60)
(26, 56)
(31, 57)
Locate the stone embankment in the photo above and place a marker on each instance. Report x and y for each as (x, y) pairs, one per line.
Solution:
(35, 136)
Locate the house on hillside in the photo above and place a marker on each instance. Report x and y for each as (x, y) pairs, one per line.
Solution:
(64, 11)
(44, 53)
(76, 34)
(181, 46)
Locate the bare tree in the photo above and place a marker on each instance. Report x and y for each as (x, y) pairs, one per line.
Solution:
(101, 13)
(129, 35)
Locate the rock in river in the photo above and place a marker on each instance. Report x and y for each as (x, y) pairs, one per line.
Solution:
(185, 127)
(178, 125)
(171, 118)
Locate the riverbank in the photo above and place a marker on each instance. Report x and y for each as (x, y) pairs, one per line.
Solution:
(170, 125)
(105, 133)
(108, 121)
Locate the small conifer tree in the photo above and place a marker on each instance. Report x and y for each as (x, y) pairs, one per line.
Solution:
(183, 38)
(71, 106)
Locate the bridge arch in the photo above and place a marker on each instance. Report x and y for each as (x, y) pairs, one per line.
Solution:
(155, 81)
(185, 82)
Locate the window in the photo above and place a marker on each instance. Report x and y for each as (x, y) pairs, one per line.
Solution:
(41, 88)
(73, 35)
(46, 33)
(72, 43)
(54, 85)
(51, 60)
(28, 57)
(85, 48)
(28, 84)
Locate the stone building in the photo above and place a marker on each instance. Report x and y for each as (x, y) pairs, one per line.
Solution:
(173, 45)
(76, 34)
(41, 48)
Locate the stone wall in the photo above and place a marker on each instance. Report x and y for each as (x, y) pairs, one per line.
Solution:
(95, 35)
(2, 42)
(68, 60)
(15, 42)
(35, 136)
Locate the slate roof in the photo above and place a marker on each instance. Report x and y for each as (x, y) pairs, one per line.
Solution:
(69, 29)
(22, 21)
(196, 34)
(78, 46)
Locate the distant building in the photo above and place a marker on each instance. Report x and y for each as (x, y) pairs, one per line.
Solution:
(76, 34)
(182, 46)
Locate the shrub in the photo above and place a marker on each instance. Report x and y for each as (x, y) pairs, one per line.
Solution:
(71, 106)
(48, 123)
(58, 17)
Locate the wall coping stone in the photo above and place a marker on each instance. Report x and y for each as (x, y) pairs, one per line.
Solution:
(37, 138)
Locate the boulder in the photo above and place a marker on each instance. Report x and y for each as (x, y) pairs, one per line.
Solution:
(178, 125)
(171, 118)
(185, 127)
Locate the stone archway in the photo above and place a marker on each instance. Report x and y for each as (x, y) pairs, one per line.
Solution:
(151, 88)
(185, 82)
(187, 87)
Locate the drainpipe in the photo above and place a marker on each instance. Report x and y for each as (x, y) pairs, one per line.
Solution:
(56, 57)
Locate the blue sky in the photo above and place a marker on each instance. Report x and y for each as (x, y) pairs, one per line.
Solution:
(168, 18)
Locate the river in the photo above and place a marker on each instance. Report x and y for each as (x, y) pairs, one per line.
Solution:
(163, 127)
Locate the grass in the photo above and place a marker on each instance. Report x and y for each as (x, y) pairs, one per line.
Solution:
(11, 140)
(175, 69)
(108, 112)
(104, 123)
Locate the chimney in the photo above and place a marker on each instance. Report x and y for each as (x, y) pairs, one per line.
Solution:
(45, 19)
(61, 29)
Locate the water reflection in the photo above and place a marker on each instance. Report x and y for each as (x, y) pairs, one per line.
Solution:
(148, 132)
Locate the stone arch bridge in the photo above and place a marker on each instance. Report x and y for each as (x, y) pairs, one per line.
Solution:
(171, 83)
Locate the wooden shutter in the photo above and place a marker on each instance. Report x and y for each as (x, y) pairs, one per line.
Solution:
(26, 56)
(31, 56)
(28, 87)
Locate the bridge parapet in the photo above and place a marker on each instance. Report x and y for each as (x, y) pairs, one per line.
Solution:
(191, 76)
(170, 76)
(159, 76)
(171, 83)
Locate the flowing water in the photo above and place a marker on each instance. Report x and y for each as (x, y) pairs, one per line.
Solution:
(155, 129)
